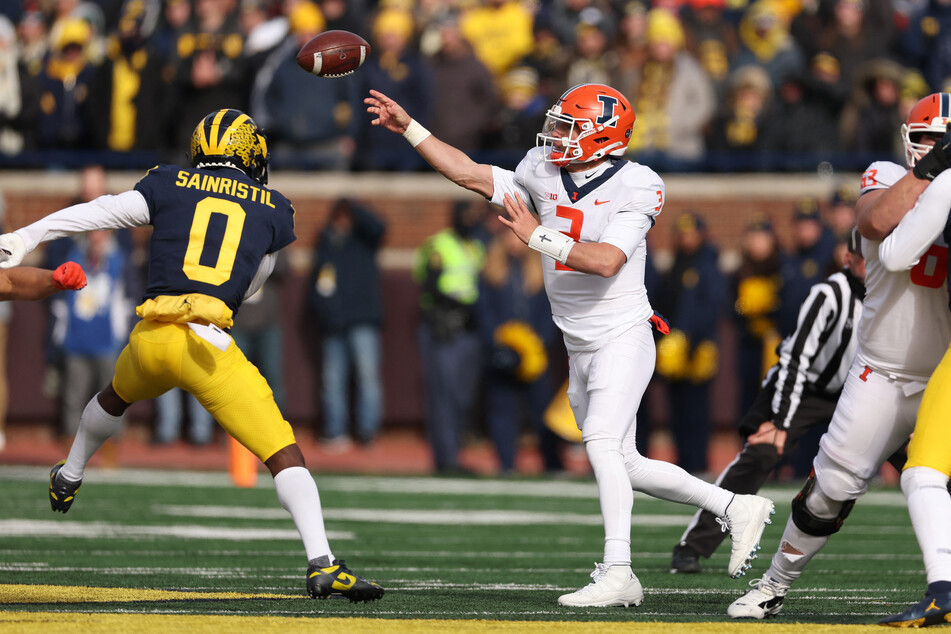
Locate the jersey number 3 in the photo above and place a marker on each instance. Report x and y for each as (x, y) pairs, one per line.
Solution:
(224, 264)
(574, 231)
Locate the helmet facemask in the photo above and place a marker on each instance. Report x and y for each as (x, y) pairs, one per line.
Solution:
(912, 132)
(930, 115)
(603, 129)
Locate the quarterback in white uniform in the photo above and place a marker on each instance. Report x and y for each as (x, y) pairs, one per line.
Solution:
(904, 330)
(594, 212)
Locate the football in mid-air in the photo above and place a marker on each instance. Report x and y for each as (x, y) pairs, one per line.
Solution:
(333, 54)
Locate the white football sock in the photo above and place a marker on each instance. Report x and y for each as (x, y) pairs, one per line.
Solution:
(616, 497)
(929, 506)
(297, 493)
(96, 426)
(669, 482)
(797, 548)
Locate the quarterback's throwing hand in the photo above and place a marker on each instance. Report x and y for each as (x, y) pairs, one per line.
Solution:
(520, 219)
(69, 276)
(389, 114)
(12, 250)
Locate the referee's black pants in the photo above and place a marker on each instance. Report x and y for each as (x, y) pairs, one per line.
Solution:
(753, 465)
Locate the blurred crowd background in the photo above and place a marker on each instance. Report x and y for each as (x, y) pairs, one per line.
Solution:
(717, 85)
(452, 335)
(450, 339)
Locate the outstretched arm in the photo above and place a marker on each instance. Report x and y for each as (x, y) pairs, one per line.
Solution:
(32, 283)
(127, 209)
(444, 158)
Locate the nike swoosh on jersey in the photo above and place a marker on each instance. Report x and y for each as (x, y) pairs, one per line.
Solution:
(600, 202)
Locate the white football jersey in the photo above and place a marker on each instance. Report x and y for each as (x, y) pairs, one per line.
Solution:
(906, 326)
(615, 204)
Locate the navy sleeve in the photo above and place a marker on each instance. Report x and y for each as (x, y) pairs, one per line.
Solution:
(154, 179)
(283, 224)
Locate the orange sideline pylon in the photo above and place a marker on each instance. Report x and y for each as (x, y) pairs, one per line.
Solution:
(242, 464)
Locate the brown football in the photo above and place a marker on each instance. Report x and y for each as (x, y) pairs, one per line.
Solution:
(333, 54)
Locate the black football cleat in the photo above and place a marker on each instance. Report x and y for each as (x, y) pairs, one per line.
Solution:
(685, 560)
(338, 580)
(62, 491)
(934, 609)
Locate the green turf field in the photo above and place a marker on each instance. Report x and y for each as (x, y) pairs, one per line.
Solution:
(171, 543)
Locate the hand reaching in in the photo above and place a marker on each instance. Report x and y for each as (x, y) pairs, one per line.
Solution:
(12, 250)
(69, 277)
(937, 160)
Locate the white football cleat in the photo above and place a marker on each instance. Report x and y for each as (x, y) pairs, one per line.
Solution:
(746, 517)
(764, 600)
(612, 585)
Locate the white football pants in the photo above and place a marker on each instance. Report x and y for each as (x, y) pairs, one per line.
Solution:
(605, 388)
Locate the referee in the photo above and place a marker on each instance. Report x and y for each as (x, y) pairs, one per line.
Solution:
(799, 393)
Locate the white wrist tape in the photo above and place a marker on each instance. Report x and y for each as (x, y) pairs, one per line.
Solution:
(550, 242)
(415, 133)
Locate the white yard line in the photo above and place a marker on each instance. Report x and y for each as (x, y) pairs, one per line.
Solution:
(97, 530)
(585, 489)
(483, 517)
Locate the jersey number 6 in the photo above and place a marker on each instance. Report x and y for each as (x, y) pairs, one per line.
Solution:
(224, 264)
(932, 268)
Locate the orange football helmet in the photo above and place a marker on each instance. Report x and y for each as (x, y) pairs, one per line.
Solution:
(930, 114)
(588, 122)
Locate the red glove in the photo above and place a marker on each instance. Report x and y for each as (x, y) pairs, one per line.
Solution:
(659, 323)
(69, 277)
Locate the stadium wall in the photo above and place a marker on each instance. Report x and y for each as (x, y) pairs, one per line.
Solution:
(414, 206)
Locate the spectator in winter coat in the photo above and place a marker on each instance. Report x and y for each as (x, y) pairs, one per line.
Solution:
(690, 295)
(345, 296)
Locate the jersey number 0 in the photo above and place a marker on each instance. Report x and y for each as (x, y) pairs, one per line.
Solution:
(224, 264)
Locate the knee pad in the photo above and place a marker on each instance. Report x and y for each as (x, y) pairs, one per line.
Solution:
(841, 478)
(808, 522)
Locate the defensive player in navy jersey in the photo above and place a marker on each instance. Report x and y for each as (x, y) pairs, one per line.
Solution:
(216, 232)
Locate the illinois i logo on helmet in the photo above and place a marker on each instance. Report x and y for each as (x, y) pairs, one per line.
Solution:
(588, 122)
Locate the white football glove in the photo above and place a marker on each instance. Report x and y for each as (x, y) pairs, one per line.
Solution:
(12, 250)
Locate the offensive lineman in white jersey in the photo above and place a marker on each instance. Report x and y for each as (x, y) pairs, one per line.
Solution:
(904, 330)
(911, 246)
(595, 211)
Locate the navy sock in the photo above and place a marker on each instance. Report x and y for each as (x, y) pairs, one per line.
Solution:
(939, 587)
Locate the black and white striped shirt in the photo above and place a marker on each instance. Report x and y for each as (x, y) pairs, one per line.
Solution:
(817, 356)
